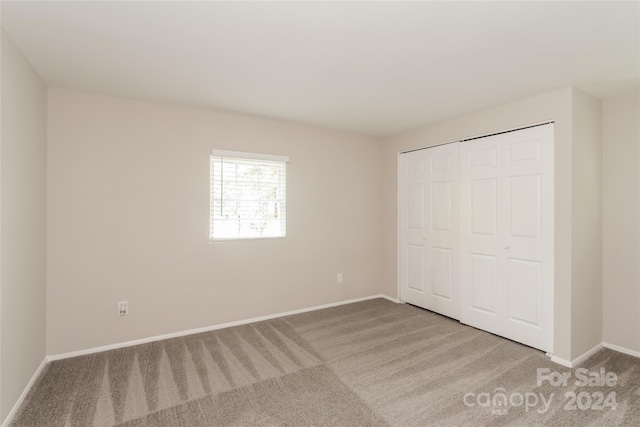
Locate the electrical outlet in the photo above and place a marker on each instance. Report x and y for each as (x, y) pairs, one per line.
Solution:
(123, 308)
(339, 278)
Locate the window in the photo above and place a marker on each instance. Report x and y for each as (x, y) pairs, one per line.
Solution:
(248, 196)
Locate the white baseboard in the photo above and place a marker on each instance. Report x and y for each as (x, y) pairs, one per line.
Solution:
(577, 360)
(559, 360)
(397, 301)
(586, 355)
(210, 328)
(621, 349)
(594, 350)
(9, 419)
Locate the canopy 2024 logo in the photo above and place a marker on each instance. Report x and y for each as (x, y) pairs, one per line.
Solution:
(583, 400)
(500, 402)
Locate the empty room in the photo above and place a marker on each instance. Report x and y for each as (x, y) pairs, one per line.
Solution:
(323, 213)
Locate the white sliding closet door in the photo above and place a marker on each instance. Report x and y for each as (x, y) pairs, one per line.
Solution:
(506, 245)
(429, 228)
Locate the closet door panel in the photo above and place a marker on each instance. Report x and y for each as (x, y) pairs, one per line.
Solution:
(524, 292)
(415, 206)
(412, 169)
(481, 265)
(441, 205)
(507, 222)
(528, 236)
(415, 267)
(441, 234)
(523, 213)
(429, 218)
(484, 207)
(484, 284)
(442, 262)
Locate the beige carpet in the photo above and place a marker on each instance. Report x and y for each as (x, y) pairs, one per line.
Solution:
(364, 364)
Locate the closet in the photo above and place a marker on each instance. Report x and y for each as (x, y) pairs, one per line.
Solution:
(476, 232)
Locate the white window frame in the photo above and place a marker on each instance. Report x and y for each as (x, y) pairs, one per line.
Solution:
(216, 193)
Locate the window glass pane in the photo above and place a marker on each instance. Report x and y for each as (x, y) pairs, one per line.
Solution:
(247, 198)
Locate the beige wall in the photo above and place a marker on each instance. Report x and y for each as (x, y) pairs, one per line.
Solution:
(555, 106)
(128, 188)
(621, 206)
(586, 308)
(23, 224)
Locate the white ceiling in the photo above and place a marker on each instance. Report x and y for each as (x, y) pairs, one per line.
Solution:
(375, 68)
